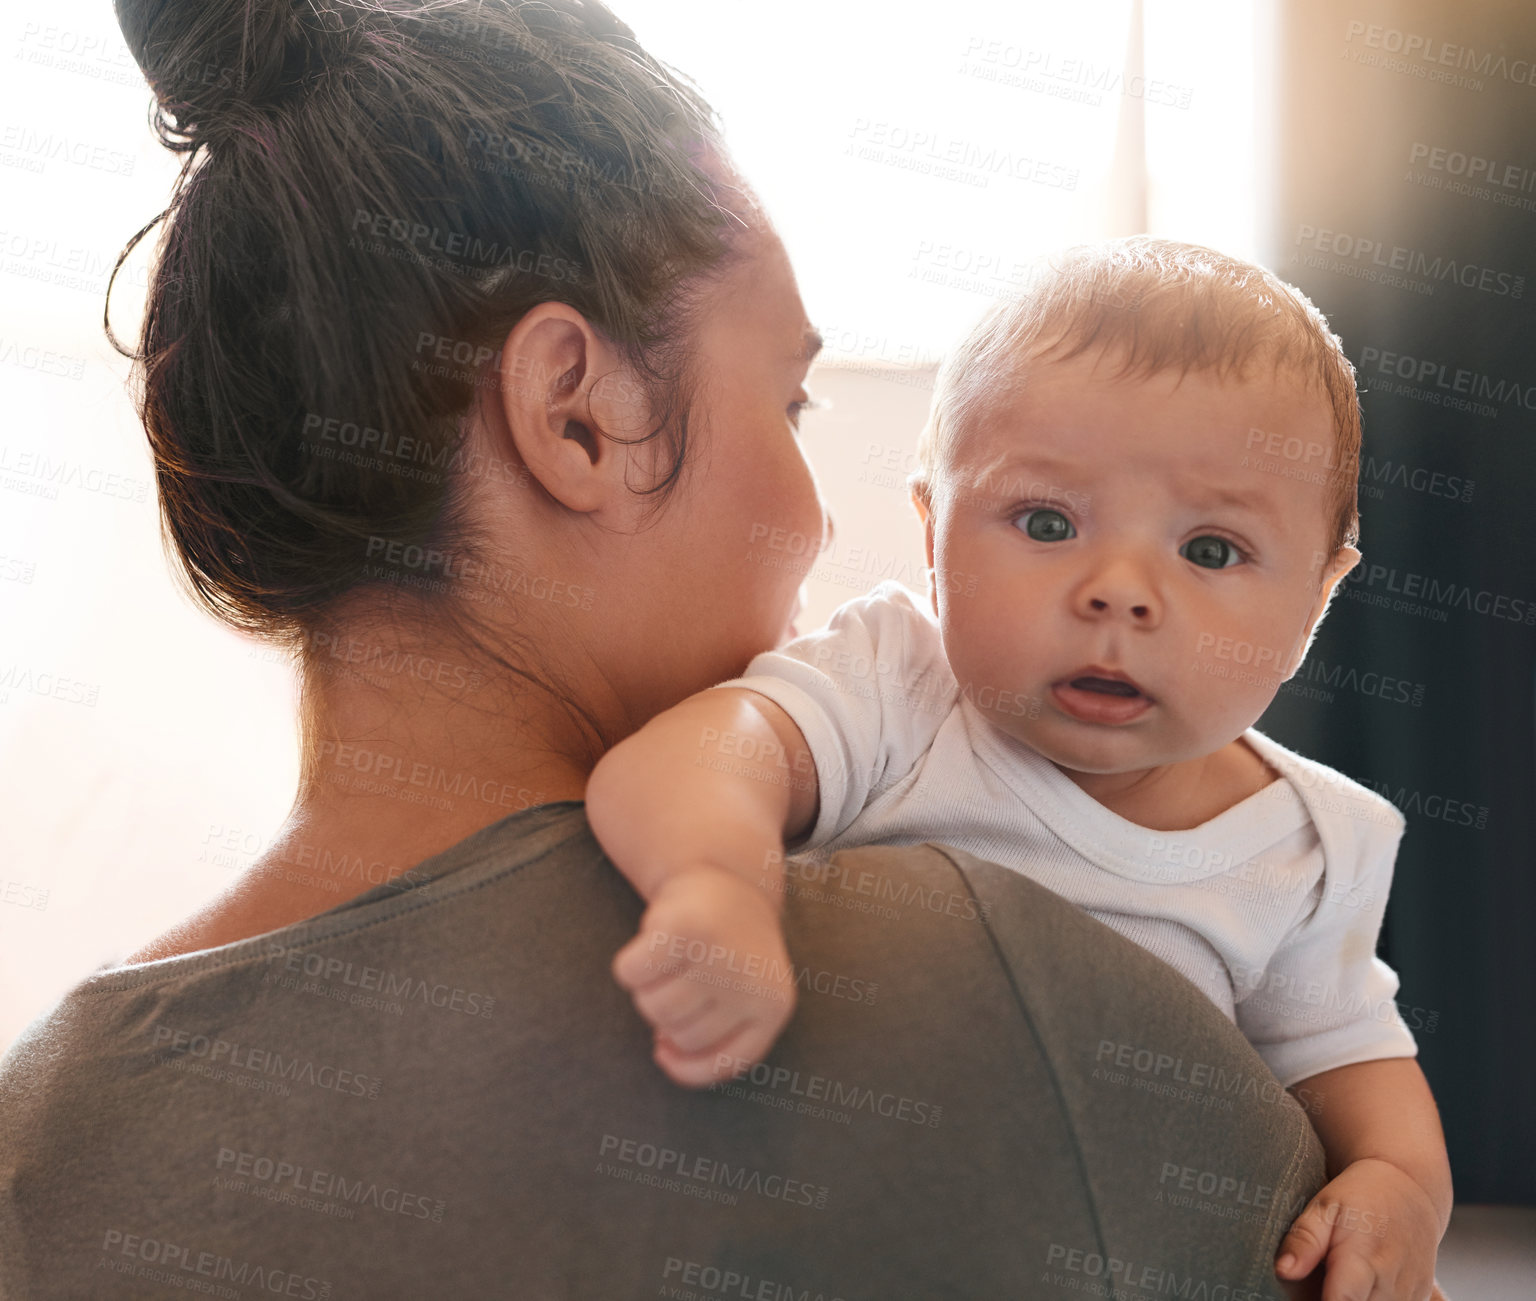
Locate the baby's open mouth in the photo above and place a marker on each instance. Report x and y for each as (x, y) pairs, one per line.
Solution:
(1102, 695)
(1109, 686)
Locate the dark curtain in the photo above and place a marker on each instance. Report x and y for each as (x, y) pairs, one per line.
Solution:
(1406, 209)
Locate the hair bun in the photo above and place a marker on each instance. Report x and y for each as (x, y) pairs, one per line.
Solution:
(213, 62)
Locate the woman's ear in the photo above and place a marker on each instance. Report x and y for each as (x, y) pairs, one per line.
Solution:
(566, 403)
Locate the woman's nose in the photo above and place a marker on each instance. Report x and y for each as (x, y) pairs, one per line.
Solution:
(828, 528)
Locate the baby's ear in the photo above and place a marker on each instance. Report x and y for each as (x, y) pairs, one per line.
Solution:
(1334, 568)
(919, 496)
(923, 506)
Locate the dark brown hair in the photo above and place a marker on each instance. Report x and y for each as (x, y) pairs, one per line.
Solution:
(374, 193)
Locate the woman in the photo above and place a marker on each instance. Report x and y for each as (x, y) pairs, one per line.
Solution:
(472, 371)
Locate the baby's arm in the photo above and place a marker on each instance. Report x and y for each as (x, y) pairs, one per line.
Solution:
(699, 831)
(1380, 1218)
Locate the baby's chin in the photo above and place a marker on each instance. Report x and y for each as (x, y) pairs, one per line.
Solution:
(1102, 751)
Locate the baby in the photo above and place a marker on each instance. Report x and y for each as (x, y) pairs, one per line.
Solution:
(1138, 485)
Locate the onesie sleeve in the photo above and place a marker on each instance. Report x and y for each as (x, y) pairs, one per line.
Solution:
(868, 692)
(1325, 999)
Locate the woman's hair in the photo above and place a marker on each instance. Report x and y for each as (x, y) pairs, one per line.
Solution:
(1154, 305)
(374, 193)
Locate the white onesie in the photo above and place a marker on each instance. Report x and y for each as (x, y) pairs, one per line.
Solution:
(1272, 908)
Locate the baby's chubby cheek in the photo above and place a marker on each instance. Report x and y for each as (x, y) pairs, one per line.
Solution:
(1230, 678)
(1256, 657)
(994, 670)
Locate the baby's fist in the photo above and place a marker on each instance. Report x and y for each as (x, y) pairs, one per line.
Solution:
(1376, 1230)
(709, 971)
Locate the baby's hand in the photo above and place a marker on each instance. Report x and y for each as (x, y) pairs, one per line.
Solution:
(1377, 1230)
(710, 972)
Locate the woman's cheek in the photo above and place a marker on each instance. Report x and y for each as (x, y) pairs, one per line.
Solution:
(800, 506)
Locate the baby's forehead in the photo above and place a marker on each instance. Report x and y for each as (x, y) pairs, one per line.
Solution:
(1259, 445)
(1016, 374)
(1053, 400)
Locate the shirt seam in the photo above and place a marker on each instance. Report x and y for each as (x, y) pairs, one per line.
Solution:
(1260, 1268)
(1045, 1058)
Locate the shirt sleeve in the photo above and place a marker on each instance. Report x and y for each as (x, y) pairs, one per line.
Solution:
(868, 692)
(1325, 999)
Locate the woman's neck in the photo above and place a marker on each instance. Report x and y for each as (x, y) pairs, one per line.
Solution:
(403, 758)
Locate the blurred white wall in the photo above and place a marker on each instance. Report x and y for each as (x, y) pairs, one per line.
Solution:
(146, 753)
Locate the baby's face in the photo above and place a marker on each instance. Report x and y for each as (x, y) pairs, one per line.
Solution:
(1096, 528)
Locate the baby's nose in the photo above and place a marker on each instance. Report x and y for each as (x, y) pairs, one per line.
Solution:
(1138, 611)
(1120, 589)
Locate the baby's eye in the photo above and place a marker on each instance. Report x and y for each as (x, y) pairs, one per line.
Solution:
(1211, 552)
(1046, 525)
